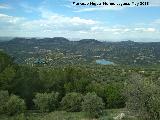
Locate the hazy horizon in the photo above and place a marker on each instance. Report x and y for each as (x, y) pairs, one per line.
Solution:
(7, 38)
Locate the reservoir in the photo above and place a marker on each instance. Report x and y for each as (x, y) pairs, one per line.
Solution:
(104, 62)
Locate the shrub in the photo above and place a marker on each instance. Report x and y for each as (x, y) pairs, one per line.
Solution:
(113, 96)
(46, 102)
(143, 98)
(111, 93)
(4, 97)
(72, 102)
(93, 105)
(20, 117)
(15, 105)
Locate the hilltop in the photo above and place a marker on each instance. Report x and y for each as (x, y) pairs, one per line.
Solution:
(54, 50)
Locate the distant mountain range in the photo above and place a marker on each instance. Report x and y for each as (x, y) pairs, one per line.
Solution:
(82, 51)
(5, 38)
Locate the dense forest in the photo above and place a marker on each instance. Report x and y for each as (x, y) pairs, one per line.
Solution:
(78, 91)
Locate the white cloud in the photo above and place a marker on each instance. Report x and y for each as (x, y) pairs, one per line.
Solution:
(4, 6)
(28, 8)
(54, 22)
(56, 18)
(151, 30)
(79, 21)
(10, 19)
(51, 24)
(157, 21)
(145, 29)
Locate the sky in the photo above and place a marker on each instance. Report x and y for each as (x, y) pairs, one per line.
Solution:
(62, 18)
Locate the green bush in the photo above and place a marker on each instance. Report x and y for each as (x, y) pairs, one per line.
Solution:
(111, 93)
(15, 105)
(93, 105)
(4, 97)
(113, 97)
(72, 102)
(46, 102)
(143, 98)
(19, 117)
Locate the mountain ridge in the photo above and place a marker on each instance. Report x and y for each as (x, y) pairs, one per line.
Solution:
(124, 52)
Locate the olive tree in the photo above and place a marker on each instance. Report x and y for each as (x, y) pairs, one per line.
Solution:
(143, 98)
(46, 102)
(72, 102)
(4, 97)
(92, 105)
(15, 105)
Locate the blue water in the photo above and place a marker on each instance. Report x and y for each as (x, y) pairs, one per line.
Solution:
(104, 62)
